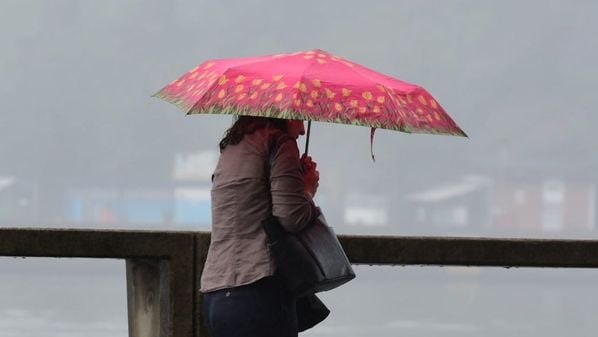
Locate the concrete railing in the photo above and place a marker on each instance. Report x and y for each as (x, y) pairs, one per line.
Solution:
(163, 268)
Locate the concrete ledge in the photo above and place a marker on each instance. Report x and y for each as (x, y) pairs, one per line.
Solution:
(177, 248)
(385, 250)
(461, 251)
(188, 247)
(94, 243)
(184, 254)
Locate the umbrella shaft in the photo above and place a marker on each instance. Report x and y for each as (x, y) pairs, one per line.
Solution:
(307, 138)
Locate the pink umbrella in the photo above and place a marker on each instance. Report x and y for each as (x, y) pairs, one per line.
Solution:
(313, 85)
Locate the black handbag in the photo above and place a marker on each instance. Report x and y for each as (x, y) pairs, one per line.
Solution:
(310, 311)
(311, 260)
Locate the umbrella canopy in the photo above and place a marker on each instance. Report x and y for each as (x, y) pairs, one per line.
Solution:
(312, 85)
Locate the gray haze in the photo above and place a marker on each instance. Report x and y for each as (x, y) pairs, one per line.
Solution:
(82, 144)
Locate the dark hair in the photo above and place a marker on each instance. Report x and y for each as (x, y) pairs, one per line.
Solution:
(245, 125)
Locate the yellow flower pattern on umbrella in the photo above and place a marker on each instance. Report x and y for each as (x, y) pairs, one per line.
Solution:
(222, 80)
(329, 93)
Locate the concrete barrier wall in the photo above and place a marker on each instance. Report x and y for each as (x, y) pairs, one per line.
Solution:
(160, 271)
(164, 267)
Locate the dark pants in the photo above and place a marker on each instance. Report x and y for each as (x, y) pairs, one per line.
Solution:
(261, 309)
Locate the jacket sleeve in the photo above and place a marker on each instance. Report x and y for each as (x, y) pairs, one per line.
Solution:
(291, 205)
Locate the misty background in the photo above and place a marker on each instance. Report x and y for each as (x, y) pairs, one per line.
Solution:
(82, 144)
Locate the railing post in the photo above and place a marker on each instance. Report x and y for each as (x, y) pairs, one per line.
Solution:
(202, 244)
(148, 297)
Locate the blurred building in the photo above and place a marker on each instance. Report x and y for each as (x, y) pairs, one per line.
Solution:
(508, 204)
(549, 202)
(18, 202)
(184, 203)
(367, 210)
(460, 206)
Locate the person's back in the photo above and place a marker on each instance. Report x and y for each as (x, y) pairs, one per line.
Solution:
(242, 294)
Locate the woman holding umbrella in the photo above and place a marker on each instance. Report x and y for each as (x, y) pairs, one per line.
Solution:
(243, 295)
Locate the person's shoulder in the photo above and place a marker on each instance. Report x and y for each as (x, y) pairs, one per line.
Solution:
(278, 139)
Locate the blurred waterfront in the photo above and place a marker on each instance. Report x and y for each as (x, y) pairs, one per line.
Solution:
(62, 297)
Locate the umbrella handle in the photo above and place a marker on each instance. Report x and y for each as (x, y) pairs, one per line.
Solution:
(307, 138)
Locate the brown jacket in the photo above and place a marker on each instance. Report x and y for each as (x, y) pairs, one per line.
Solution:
(238, 253)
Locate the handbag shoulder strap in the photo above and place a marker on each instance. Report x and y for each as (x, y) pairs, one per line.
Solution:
(276, 140)
(271, 226)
